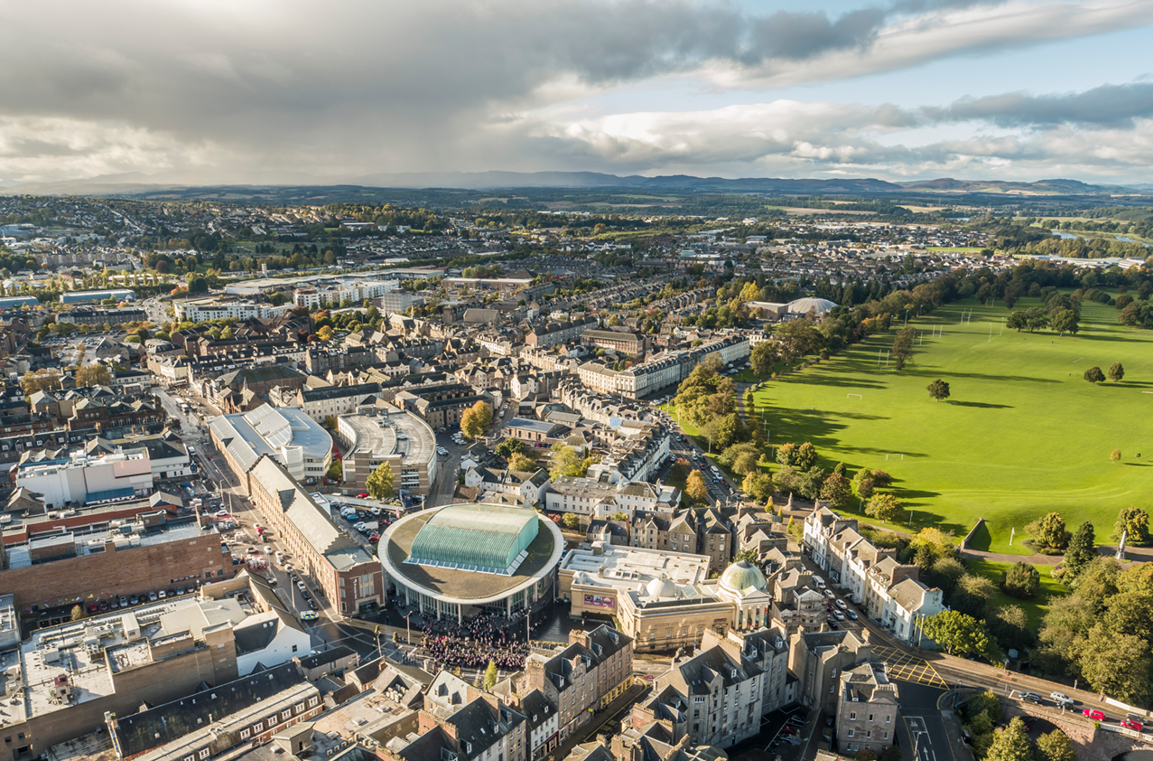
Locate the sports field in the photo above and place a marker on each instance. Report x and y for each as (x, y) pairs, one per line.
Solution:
(1022, 434)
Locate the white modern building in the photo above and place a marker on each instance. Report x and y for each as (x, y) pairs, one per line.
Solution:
(328, 294)
(285, 434)
(84, 480)
(200, 310)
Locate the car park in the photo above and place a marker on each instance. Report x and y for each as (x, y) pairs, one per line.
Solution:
(1094, 714)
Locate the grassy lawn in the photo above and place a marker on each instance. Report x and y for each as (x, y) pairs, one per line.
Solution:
(1022, 434)
(1036, 608)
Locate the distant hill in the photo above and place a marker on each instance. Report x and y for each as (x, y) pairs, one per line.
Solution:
(185, 184)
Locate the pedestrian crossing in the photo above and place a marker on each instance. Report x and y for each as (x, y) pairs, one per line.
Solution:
(908, 668)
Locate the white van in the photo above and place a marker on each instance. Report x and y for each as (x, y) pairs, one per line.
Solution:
(279, 558)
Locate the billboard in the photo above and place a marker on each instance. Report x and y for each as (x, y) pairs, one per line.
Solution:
(600, 601)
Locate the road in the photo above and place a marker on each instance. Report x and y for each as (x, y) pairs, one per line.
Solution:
(720, 491)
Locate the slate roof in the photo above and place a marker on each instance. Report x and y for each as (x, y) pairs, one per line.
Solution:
(162, 724)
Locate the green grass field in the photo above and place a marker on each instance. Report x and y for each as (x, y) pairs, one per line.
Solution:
(1022, 434)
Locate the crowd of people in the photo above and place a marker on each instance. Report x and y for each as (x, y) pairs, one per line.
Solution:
(472, 644)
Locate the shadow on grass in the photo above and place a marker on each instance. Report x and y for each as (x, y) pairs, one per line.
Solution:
(979, 376)
(873, 450)
(815, 379)
(981, 405)
(981, 539)
(1137, 464)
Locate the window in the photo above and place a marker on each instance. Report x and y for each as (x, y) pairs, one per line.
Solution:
(244, 735)
(204, 752)
(258, 727)
(313, 701)
(852, 732)
(286, 715)
(190, 758)
(299, 708)
(870, 717)
(888, 718)
(852, 715)
(869, 735)
(886, 734)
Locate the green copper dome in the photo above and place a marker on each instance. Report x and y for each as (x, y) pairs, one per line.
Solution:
(740, 577)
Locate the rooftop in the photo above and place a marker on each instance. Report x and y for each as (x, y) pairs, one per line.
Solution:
(268, 430)
(463, 585)
(21, 556)
(390, 434)
(487, 538)
(632, 568)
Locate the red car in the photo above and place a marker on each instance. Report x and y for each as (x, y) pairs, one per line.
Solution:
(1131, 724)
(374, 537)
(1093, 714)
(361, 496)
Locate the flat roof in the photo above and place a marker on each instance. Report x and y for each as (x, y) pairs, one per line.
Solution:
(628, 568)
(93, 542)
(462, 586)
(393, 433)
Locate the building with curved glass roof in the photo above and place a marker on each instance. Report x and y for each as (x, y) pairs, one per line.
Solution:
(483, 538)
(458, 560)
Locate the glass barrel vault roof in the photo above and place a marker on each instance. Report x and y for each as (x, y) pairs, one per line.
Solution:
(487, 538)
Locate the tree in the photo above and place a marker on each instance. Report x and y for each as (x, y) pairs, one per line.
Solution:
(798, 338)
(475, 419)
(1021, 581)
(745, 463)
(325, 333)
(1115, 455)
(1064, 321)
(571, 520)
(758, 485)
(522, 462)
(1051, 532)
(801, 458)
(903, 346)
(1010, 627)
(938, 390)
(748, 555)
(1082, 549)
(1011, 743)
(836, 491)
(490, 675)
(509, 447)
(96, 374)
(1118, 665)
(865, 488)
(1055, 746)
(77, 613)
(379, 483)
(972, 595)
(959, 633)
(565, 462)
(762, 358)
(885, 508)
(1116, 372)
(1094, 375)
(335, 471)
(681, 469)
(39, 380)
(1135, 522)
(695, 487)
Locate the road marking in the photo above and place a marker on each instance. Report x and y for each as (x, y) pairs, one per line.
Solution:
(908, 668)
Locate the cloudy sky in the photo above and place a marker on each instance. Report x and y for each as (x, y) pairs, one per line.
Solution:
(252, 90)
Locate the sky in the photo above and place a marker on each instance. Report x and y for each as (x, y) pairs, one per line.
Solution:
(286, 90)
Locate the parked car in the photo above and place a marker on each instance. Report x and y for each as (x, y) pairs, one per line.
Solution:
(301, 587)
(1094, 714)
(839, 615)
(829, 594)
(841, 604)
(308, 615)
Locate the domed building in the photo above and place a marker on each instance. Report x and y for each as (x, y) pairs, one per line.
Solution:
(809, 305)
(744, 586)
